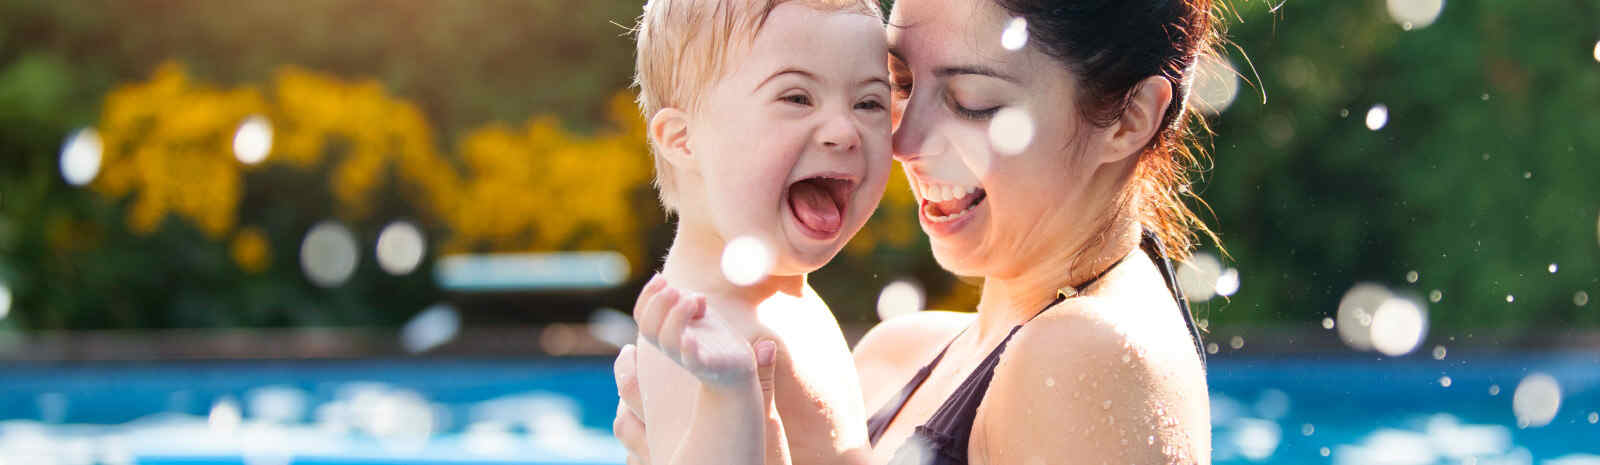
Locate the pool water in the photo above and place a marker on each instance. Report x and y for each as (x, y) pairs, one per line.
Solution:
(1280, 410)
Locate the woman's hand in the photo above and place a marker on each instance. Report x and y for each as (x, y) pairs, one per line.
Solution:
(628, 427)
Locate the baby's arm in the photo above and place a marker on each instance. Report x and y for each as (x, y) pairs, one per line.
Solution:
(730, 417)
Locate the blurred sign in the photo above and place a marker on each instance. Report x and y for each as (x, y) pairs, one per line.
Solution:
(531, 271)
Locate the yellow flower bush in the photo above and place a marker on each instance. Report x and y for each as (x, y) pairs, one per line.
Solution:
(168, 148)
(533, 187)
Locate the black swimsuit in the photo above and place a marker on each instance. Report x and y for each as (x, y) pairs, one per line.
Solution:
(943, 439)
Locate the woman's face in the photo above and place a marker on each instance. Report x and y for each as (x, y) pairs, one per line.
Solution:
(993, 199)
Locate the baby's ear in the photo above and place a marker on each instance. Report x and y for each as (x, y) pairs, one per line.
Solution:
(670, 129)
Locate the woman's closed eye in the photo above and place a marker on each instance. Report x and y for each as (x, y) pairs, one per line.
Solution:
(975, 114)
(872, 104)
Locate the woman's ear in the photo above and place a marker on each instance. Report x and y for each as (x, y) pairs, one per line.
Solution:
(670, 129)
(1141, 120)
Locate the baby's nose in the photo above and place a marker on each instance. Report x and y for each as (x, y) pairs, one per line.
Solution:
(839, 134)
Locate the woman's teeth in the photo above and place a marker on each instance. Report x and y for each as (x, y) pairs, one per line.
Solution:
(944, 192)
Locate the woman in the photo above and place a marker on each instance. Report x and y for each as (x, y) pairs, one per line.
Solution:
(1082, 348)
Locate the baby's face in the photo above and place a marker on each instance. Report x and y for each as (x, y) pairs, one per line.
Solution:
(792, 146)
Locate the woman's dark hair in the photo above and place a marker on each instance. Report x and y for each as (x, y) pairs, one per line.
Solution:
(1113, 45)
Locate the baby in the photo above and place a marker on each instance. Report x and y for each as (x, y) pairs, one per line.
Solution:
(769, 123)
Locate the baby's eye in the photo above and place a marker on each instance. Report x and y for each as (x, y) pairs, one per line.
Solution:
(797, 99)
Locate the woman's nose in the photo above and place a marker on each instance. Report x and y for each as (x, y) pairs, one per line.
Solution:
(909, 134)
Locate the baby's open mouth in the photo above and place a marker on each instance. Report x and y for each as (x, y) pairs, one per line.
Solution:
(818, 203)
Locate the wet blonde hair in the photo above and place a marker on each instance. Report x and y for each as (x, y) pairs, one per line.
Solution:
(683, 47)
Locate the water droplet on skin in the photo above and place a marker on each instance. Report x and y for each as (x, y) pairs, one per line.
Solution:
(1327, 323)
(1050, 381)
(1444, 381)
(1105, 405)
(1150, 440)
(1494, 389)
(1126, 357)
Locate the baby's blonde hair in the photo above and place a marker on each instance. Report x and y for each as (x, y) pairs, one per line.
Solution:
(683, 48)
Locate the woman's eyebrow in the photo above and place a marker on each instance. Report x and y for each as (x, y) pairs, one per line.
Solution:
(947, 71)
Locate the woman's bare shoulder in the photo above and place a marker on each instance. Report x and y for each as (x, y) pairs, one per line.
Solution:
(893, 350)
(1107, 378)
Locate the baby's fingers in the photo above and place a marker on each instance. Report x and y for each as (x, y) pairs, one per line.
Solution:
(651, 315)
(676, 321)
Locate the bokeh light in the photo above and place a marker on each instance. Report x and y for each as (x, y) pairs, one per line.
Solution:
(1356, 309)
(1377, 117)
(1198, 276)
(1439, 352)
(612, 327)
(1228, 282)
(1011, 131)
(1216, 84)
(400, 248)
(1597, 51)
(1580, 298)
(253, 140)
(1536, 400)
(746, 260)
(1398, 326)
(80, 157)
(433, 327)
(901, 297)
(277, 404)
(1552, 268)
(225, 417)
(328, 254)
(5, 300)
(1415, 14)
(1015, 35)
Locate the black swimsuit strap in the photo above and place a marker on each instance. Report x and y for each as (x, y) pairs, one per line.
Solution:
(950, 426)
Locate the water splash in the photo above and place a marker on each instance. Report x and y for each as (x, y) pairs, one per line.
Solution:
(902, 297)
(225, 417)
(328, 254)
(400, 248)
(746, 260)
(1011, 131)
(80, 157)
(1015, 35)
(1377, 117)
(253, 140)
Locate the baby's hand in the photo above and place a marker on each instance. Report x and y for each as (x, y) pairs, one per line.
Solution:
(677, 323)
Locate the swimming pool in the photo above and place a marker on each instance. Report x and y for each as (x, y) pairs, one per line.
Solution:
(1342, 410)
